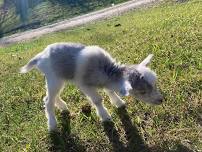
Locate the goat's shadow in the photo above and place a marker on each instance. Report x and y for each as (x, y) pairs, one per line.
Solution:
(113, 137)
(135, 143)
(134, 140)
(62, 140)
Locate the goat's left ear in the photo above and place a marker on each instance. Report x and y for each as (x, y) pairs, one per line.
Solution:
(147, 60)
(125, 88)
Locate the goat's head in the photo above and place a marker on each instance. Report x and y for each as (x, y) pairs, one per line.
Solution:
(142, 82)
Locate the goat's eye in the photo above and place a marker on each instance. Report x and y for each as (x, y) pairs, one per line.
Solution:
(141, 77)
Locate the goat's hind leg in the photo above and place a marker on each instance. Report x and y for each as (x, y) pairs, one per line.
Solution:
(54, 86)
(59, 103)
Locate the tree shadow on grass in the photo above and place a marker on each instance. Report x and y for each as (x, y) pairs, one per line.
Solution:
(64, 141)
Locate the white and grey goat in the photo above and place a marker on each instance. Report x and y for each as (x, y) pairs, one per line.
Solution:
(90, 68)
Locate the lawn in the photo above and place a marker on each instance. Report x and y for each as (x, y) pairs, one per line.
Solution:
(171, 31)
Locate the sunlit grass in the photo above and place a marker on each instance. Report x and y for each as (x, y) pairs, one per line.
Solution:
(172, 32)
(1, 2)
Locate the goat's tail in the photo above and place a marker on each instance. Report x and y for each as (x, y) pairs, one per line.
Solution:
(30, 65)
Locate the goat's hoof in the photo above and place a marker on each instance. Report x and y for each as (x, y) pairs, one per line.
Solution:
(108, 119)
(123, 106)
(53, 131)
(108, 123)
(52, 128)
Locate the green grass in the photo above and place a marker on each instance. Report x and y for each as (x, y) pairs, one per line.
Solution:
(172, 32)
(1, 2)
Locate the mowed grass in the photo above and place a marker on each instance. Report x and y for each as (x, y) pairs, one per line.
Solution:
(171, 31)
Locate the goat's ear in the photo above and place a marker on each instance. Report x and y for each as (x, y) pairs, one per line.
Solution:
(147, 60)
(125, 88)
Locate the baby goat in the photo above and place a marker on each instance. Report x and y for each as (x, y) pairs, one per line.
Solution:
(90, 68)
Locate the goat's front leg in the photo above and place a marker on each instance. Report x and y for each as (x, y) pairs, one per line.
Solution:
(115, 99)
(96, 99)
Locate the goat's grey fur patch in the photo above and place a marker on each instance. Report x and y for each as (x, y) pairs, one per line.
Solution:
(63, 59)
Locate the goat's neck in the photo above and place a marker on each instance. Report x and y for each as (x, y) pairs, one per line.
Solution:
(116, 76)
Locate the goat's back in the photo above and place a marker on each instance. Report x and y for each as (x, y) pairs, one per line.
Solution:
(60, 59)
(90, 65)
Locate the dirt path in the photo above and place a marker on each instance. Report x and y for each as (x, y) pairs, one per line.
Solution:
(76, 21)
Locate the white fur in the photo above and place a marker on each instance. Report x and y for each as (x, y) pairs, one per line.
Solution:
(147, 60)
